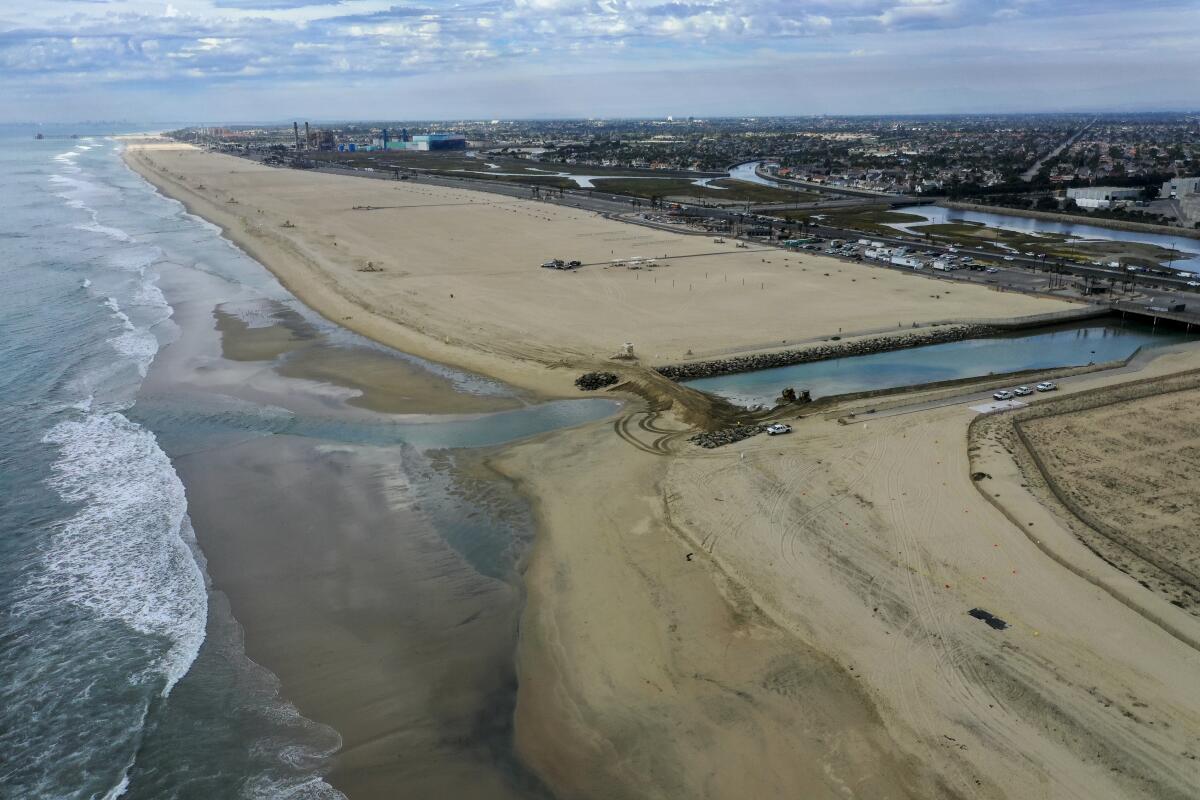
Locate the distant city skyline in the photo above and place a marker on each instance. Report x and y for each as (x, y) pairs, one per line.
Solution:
(265, 60)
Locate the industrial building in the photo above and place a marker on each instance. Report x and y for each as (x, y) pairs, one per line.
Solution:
(427, 141)
(1177, 188)
(1102, 196)
(1186, 194)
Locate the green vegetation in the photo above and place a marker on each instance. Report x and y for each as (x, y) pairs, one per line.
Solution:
(872, 219)
(666, 186)
(532, 179)
(756, 192)
(1055, 246)
(732, 191)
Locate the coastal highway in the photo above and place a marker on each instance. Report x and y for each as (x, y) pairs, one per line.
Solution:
(1030, 173)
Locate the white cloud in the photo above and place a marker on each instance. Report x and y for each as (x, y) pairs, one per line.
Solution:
(132, 42)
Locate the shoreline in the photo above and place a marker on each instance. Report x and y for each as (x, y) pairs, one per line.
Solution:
(340, 310)
(587, 314)
(647, 656)
(336, 551)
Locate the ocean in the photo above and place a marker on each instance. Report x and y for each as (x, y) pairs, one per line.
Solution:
(125, 671)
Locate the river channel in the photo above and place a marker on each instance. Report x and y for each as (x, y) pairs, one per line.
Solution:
(1044, 348)
(1189, 259)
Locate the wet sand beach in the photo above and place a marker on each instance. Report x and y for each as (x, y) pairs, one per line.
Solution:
(378, 581)
(377, 380)
(374, 625)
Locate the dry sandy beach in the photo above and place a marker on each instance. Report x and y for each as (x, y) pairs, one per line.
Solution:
(459, 282)
(783, 617)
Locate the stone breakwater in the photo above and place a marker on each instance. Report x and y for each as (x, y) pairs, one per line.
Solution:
(590, 381)
(711, 439)
(861, 347)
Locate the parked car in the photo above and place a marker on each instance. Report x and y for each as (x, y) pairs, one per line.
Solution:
(1009, 258)
(1047, 386)
(778, 428)
(1003, 394)
(1022, 391)
(991, 270)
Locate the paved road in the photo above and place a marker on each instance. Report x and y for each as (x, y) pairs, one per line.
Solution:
(1032, 172)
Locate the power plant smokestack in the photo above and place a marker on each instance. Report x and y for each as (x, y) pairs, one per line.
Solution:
(296, 130)
(307, 137)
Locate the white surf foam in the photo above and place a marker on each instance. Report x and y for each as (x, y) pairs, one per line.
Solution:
(74, 191)
(313, 788)
(138, 343)
(125, 553)
(106, 230)
(148, 295)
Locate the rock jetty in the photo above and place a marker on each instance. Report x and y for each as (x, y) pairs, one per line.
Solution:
(862, 347)
(590, 381)
(711, 439)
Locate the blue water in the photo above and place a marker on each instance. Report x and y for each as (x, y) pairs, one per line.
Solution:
(971, 358)
(123, 674)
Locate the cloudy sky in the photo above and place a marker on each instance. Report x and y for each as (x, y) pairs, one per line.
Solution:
(256, 60)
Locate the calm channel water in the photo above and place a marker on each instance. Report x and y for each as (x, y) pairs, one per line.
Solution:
(1044, 349)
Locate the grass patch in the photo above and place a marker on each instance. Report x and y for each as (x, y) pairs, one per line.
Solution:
(731, 191)
(872, 219)
(531, 179)
(1055, 246)
(756, 192)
